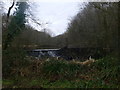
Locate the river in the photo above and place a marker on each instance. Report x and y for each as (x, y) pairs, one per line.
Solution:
(69, 53)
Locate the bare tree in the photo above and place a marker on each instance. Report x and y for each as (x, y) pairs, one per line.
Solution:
(9, 10)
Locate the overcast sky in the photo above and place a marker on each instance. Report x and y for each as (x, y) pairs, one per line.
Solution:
(56, 14)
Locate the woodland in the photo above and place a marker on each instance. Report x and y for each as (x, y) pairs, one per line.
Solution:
(96, 26)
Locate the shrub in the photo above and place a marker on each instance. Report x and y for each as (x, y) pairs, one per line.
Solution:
(62, 69)
(13, 58)
(108, 69)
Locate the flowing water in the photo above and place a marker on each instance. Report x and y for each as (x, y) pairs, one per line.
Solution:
(44, 53)
(69, 53)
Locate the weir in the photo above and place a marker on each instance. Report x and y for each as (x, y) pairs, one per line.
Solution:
(70, 53)
(44, 53)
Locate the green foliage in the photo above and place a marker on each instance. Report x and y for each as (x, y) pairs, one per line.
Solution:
(107, 62)
(44, 83)
(16, 25)
(8, 83)
(62, 69)
(108, 69)
(13, 58)
(65, 74)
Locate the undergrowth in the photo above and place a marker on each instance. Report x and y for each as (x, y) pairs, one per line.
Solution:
(32, 73)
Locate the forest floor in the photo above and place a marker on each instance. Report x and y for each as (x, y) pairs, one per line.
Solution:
(53, 73)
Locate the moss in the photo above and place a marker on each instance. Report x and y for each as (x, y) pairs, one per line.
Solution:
(7, 83)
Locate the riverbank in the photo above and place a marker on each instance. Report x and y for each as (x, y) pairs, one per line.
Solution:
(53, 73)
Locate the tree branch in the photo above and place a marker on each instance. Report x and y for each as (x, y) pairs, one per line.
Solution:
(8, 14)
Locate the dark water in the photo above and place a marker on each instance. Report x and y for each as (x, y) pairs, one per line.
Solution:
(69, 53)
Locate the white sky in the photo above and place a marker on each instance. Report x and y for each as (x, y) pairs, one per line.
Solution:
(56, 14)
